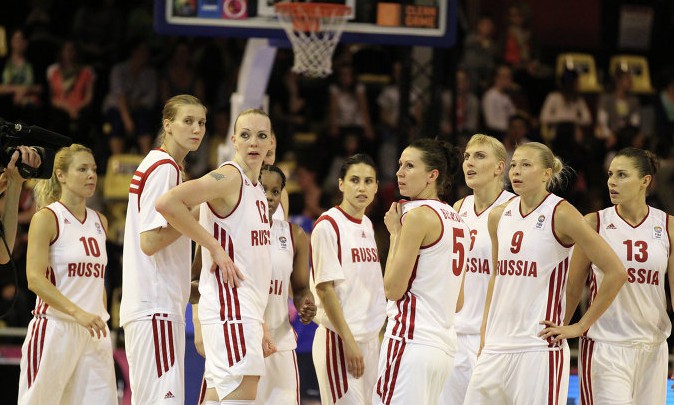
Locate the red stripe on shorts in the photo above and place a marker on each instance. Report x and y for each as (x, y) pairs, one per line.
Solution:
(157, 354)
(586, 350)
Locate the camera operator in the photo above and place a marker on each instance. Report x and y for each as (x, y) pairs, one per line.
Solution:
(11, 183)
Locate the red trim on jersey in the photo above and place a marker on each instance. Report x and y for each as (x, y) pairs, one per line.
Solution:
(585, 377)
(58, 229)
(202, 392)
(553, 227)
(74, 216)
(334, 226)
(490, 205)
(41, 306)
(519, 206)
(137, 186)
(240, 194)
(442, 230)
(101, 222)
(598, 216)
(407, 305)
(615, 207)
(349, 217)
(556, 291)
(292, 239)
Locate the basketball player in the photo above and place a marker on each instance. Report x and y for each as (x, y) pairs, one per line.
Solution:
(156, 262)
(531, 236)
(424, 271)
(67, 355)
(484, 170)
(283, 209)
(234, 235)
(347, 280)
(290, 269)
(623, 356)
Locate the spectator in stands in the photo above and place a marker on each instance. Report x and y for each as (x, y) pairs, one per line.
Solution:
(497, 105)
(348, 104)
(98, 26)
(179, 76)
(480, 53)
(467, 108)
(664, 117)
(517, 134)
(71, 91)
(564, 105)
(617, 109)
(19, 89)
(288, 107)
(131, 101)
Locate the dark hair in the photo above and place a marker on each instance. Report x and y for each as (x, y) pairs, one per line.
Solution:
(354, 160)
(277, 170)
(444, 157)
(645, 161)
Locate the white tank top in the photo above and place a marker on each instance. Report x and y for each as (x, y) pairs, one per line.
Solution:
(478, 264)
(638, 314)
(276, 314)
(530, 280)
(77, 260)
(425, 313)
(245, 235)
(343, 250)
(157, 284)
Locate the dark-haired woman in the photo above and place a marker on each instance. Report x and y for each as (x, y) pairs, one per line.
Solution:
(289, 272)
(348, 284)
(624, 354)
(532, 236)
(423, 277)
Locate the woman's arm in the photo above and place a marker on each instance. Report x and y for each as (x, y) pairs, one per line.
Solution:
(421, 226)
(492, 225)
(579, 270)
(221, 188)
(570, 226)
(157, 239)
(299, 278)
(43, 229)
(670, 261)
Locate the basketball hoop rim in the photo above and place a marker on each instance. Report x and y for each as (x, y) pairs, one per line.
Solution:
(314, 9)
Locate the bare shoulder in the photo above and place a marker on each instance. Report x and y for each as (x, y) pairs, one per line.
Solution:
(592, 219)
(457, 205)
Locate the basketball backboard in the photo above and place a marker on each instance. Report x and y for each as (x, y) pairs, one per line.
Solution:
(415, 23)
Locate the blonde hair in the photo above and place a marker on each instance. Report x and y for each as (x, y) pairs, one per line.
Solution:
(495, 145)
(170, 111)
(253, 111)
(47, 191)
(549, 161)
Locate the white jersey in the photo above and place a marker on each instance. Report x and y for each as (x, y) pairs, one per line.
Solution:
(279, 214)
(343, 250)
(276, 314)
(425, 313)
(159, 283)
(478, 264)
(245, 235)
(530, 280)
(638, 314)
(77, 260)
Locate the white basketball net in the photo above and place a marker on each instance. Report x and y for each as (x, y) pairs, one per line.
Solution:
(314, 33)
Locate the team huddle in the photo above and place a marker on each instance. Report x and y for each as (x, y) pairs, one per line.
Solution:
(477, 297)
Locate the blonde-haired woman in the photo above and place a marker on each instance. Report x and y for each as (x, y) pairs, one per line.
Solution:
(157, 261)
(484, 162)
(524, 356)
(67, 355)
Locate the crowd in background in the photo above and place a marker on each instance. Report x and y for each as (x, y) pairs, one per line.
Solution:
(98, 72)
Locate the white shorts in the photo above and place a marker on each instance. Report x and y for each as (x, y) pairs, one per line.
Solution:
(336, 384)
(62, 364)
(455, 388)
(280, 384)
(155, 349)
(616, 375)
(233, 350)
(411, 373)
(522, 378)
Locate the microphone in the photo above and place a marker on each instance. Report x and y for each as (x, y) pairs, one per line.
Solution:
(41, 136)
